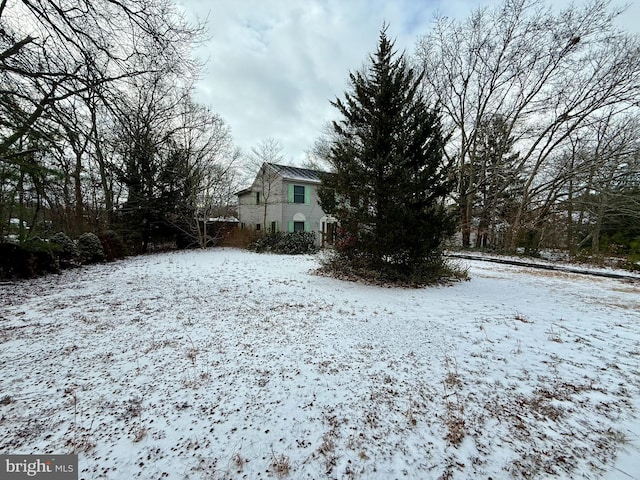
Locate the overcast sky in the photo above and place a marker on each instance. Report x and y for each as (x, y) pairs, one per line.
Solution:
(272, 66)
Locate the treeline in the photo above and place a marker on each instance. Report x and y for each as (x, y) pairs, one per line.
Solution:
(100, 132)
(542, 108)
(99, 129)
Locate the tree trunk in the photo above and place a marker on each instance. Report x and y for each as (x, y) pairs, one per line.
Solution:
(570, 243)
(465, 221)
(77, 178)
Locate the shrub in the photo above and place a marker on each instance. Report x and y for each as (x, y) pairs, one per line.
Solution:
(31, 259)
(113, 245)
(295, 243)
(90, 247)
(432, 271)
(66, 248)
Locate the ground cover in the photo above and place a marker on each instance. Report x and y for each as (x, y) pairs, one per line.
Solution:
(228, 364)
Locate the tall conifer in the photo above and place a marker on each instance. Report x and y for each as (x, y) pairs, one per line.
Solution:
(389, 179)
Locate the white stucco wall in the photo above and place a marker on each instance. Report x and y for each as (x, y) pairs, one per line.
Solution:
(279, 209)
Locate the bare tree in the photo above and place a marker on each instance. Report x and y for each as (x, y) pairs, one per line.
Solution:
(151, 165)
(268, 151)
(608, 185)
(52, 50)
(547, 74)
(176, 162)
(211, 159)
(62, 66)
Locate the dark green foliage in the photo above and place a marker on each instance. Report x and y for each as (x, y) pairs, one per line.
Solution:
(436, 271)
(294, 243)
(68, 252)
(529, 239)
(615, 221)
(621, 223)
(160, 207)
(90, 247)
(496, 180)
(113, 245)
(31, 259)
(24, 180)
(154, 180)
(389, 180)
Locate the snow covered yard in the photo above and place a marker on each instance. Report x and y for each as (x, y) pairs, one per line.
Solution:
(226, 364)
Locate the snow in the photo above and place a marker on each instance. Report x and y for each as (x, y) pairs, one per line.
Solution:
(228, 364)
(555, 260)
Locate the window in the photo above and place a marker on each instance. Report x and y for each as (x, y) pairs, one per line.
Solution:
(258, 226)
(298, 194)
(298, 223)
(274, 227)
(257, 198)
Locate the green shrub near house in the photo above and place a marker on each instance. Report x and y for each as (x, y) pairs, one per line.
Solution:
(295, 243)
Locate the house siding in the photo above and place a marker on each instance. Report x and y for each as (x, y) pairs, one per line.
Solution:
(312, 212)
(251, 214)
(280, 205)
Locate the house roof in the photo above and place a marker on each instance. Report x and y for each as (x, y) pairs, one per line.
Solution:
(291, 173)
(244, 190)
(297, 173)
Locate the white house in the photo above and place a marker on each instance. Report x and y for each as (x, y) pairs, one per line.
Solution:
(285, 199)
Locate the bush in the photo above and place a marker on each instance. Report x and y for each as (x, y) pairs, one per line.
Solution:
(432, 271)
(113, 245)
(295, 243)
(67, 249)
(29, 260)
(90, 247)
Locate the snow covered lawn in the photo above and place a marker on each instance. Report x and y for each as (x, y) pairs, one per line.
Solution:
(227, 364)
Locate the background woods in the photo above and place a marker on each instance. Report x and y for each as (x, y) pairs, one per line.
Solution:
(100, 130)
(542, 107)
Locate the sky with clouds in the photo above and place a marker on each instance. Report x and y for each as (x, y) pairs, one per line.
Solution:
(273, 66)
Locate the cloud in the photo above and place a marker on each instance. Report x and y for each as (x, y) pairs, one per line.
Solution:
(274, 65)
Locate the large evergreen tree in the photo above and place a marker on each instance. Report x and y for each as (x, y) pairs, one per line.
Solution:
(495, 177)
(389, 180)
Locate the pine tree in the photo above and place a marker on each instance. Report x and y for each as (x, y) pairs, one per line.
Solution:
(498, 180)
(389, 180)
